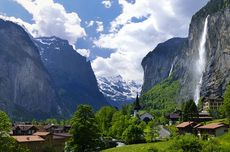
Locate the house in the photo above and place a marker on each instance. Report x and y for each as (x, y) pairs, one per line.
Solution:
(33, 142)
(202, 117)
(174, 117)
(212, 103)
(57, 129)
(39, 141)
(146, 117)
(213, 129)
(24, 130)
(186, 127)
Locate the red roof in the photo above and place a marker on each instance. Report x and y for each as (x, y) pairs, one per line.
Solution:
(185, 124)
(212, 126)
(28, 138)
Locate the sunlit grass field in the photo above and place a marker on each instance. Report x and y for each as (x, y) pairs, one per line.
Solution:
(141, 147)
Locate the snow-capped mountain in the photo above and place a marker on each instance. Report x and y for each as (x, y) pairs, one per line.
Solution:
(118, 91)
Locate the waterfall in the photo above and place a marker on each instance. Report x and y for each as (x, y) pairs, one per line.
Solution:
(171, 70)
(201, 62)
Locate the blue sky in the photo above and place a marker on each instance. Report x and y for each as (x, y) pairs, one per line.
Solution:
(114, 34)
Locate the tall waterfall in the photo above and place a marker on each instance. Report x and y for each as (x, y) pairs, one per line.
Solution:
(201, 62)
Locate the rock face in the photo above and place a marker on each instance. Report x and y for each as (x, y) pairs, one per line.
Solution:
(118, 91)
(25, 85)
(73, 76)
(162, 61)
(217, 73)
(157, 63)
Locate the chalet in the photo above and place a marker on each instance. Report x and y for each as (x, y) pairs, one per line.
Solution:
(24, 130)
(186, 127)
(146, 117)
(34, 143)
(214, 129)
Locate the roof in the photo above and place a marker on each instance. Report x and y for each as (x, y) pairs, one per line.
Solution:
(32, 138)
(174, 116)
(61, 136)
(25, 127)
(144, 115)
(41, 133)
(185, 124)
(50, 126)
(212, 126)
(196, 126)
(40, 128)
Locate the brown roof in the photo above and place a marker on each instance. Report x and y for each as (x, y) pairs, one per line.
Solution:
(184, 124)
(41, 133)
(40, 128)
(212, 126)
(32, 138)
(25, 127)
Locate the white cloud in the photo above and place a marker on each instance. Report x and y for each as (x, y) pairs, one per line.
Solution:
(84, 52)
(158, 21)
(100, 26)
(107, 3)
(51, 19)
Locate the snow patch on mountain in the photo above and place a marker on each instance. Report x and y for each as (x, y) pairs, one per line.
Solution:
(118, 91)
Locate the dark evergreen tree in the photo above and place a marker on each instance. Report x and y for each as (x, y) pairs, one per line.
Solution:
(190, 110)
(84, 130)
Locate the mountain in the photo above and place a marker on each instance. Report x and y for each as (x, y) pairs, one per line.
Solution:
(160, 63)
(118, 91)
(73, 76)
(26, 88)
(201, 63)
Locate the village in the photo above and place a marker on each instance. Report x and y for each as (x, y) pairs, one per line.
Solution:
(40, 137)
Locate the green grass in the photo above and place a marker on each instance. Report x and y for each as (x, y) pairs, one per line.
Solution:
(162, 97)
(224, 140)
(141, 147)
(224, 120)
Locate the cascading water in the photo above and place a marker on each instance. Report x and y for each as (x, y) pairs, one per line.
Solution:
(201, 62)
(171, 70)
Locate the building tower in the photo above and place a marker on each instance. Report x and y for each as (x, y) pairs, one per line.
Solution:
(137, 106)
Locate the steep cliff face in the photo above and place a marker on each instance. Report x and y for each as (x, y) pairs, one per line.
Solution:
(217, 53)
(162, 61)
(72, 74)
(217, 71)
(25, 85)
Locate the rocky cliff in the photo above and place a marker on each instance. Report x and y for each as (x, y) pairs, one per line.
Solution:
(72, 74)
(217, 55)
(26, 88)
(162, 61)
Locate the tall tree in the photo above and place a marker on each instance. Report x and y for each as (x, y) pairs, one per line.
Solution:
(226, 105)
(5, 125)
(104, 117)
(84, 130)
(189, 110)
(7, 143)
